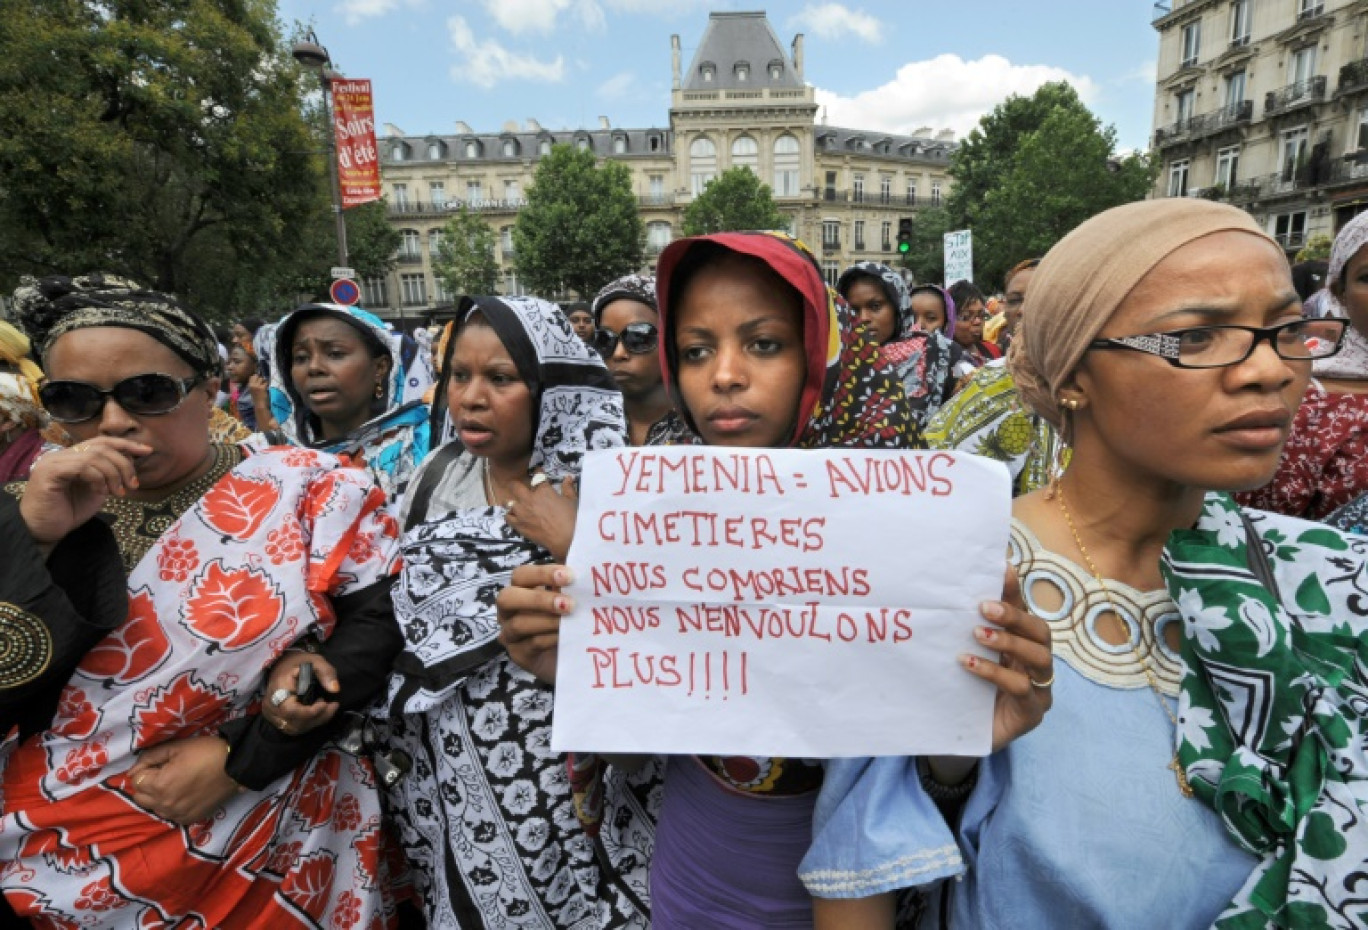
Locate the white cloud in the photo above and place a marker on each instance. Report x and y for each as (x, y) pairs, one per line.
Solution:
(945, 92)
(618, 87)
(1146, 73)
(518, 16)
(836, 21)
(486, 62)
(356, 11)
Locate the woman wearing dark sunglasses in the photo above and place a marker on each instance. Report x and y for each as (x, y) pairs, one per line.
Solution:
(162, 768)
(626, 336)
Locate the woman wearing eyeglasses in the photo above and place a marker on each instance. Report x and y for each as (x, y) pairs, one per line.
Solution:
(627, 337)
(1202, 759)
(164, 788)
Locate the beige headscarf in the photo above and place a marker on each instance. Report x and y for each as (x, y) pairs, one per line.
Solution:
(1085, 277)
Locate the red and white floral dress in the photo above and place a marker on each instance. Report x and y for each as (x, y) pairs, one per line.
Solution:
(242, 574)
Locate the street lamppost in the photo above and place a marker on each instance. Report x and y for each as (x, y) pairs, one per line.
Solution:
(314, 56)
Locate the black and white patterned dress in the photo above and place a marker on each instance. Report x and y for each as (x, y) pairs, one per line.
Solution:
(487, 817)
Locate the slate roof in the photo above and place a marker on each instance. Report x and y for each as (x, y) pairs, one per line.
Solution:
(733, 38)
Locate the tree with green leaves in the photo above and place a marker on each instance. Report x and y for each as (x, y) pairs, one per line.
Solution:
(1032, 170)
(372, 247)
(465, 261)
(163, 141)
(580, 228)
(1317, 249)
(734, 200)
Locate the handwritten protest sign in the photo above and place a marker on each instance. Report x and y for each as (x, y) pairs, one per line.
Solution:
(959, 256)
(780, 602)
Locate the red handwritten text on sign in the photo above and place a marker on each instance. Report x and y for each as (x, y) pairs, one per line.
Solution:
(779, 602)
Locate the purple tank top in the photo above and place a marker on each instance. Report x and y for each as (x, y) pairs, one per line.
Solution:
(728, 860)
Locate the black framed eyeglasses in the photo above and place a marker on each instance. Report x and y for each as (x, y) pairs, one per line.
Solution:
(149, 395)
(637, 338)
(1221, 346)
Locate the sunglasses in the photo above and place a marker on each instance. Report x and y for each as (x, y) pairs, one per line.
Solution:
(637, 338)
(150, 395)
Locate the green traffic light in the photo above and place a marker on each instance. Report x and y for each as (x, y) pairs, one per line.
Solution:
(904, 247)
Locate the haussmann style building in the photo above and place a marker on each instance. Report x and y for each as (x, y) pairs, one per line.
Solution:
(742, 101)
(1264, 104)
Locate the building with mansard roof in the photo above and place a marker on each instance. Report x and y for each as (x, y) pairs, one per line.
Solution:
(742, 101)
(1264, 104)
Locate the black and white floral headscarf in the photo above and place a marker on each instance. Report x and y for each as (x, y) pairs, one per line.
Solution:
(455, 565)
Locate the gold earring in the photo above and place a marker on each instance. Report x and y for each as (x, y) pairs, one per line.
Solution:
(379, 390)
(1070, 402)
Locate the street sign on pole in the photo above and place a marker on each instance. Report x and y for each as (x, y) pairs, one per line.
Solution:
(340, 271)
(345, 292)
(959, 256)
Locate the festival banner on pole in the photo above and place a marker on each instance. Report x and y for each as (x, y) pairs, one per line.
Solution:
(358, 156)
(780, 602)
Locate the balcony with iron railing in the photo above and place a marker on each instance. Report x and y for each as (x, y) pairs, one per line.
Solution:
(409, 258)
(1161, 9)
(831, 243)
(1294, 96)
(1291, 240)
(1353, 77)
(655, 200)
(1198, 127)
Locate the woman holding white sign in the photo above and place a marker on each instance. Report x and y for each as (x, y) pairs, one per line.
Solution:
(762, 354)
(499, 832)
(1208, 722)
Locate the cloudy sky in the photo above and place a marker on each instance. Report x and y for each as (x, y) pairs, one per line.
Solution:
(893, 65)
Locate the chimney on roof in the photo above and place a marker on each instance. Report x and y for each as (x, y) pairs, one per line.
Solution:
(945, 135)
(798, 55)
(510, 125)
(603, 123)
(533, 125)
(392, 130)
(923, 132)
(674, 60)
(463, 129)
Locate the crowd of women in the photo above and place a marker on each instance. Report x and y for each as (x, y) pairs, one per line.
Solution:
(281, 604)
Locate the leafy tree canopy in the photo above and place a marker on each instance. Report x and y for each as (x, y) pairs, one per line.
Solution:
(735, 200)
(580, 228)
(164, 141)
(1032, 170)
(465, 261)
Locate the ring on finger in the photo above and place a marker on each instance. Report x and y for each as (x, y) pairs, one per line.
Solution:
(539, 479)
(283, 726)
(1042, 684)
(80, 447)
(137, 782)
(509, 506)
(279, 696)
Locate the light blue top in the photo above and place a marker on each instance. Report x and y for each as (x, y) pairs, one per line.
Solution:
(1079, 823)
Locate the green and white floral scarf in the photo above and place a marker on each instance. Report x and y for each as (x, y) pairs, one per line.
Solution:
(1273, 706)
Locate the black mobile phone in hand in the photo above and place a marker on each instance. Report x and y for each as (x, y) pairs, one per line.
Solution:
(306, 689)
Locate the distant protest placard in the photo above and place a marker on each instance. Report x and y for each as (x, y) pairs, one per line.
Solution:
(959, 256)
(780, 602)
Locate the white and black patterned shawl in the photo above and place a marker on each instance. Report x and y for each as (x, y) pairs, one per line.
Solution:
(456, 563)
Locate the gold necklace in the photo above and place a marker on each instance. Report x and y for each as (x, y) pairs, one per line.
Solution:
(1057, 489)
(489, 486)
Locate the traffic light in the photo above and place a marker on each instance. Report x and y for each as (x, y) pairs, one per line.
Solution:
(904, 235)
